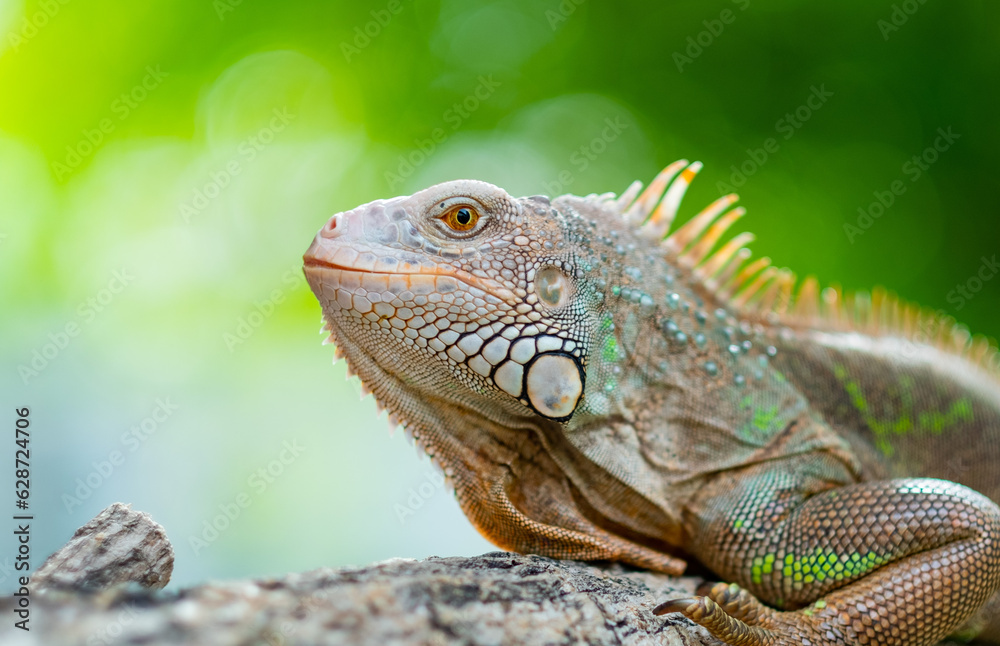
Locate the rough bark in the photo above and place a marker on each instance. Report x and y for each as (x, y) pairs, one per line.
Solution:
(100, 589)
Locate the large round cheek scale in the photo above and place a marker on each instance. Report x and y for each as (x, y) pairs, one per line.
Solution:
(553, 385)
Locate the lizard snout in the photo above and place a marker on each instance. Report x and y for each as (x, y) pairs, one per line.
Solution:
(345, 223)
(342, 232)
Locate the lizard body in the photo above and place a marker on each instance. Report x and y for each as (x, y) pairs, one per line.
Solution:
(597, 387)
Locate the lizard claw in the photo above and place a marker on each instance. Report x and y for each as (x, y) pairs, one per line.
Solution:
(683, 606)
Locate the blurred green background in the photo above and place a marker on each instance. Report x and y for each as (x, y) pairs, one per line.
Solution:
(163, 166)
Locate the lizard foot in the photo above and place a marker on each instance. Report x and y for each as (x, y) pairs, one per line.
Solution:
(736, 617)
(737, 603)
(729, 613)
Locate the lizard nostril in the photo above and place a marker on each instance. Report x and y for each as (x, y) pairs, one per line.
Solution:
(331, 230)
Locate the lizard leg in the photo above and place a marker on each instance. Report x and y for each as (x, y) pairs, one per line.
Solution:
(899, 562)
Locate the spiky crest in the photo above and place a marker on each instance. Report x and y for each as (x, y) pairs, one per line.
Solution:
(760, 292)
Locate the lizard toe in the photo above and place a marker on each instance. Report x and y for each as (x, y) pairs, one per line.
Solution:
(738, 603)
(710, 615)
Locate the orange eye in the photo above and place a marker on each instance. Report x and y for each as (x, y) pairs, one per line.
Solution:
(461, 219)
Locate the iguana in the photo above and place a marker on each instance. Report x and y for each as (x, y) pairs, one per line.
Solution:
(594, 386)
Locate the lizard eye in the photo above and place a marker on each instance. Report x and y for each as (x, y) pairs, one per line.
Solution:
(552, 286)
(461, 218)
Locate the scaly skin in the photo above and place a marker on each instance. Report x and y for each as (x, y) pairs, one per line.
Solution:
(596, 389)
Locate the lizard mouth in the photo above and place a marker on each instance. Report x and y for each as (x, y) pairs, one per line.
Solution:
(315, 262)
(414, 276)
(311, 261)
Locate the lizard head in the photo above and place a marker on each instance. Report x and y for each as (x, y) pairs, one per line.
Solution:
(459, 283)
(513, 338)
(525, 308)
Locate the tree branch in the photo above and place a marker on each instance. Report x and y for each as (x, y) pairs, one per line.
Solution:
(496, 598)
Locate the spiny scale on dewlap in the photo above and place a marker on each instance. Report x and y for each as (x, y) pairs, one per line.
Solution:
(597, 387)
